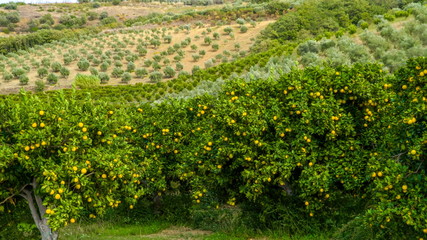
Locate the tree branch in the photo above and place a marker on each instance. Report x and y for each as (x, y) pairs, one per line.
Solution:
(13, 195)
(416, 171)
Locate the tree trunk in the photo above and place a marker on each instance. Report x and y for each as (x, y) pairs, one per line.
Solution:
(38, 213)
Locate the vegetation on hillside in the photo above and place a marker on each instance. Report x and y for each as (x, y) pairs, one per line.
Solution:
(318, 132)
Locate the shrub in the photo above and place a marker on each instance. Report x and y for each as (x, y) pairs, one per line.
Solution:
(209, 63)
(142, 51)
(83, 64)
(155, 76)
(240, 21)
(195, 57)
(208, 40)
(141, 72)
(179, 66)
(157, 58)
(169, 72)
(56, 67)
(42, 72)
(228, 30)
(352, 29)
(215, 47)
(46, 62)
(72, 21)
(363, 24)
(216, 35)
(236, 46)
(23, 79)
(243, 29)
(108, 20)
(96, 5)
(64, 72)
(17, 72)
(117, 72)
(130, 67)
(93, 71)
(86, 81)
(103, 77)
(325, 44)
(195, 69)
(307, 47)
(40, 85)
(147, 63)
(103, 15)
(92, 16)
(126, 77)
(13, 17)
(47, 19)
(7, 76)
(67, 60)
(183, 73)
(104, 66)
(167, 39)
(11, 6)
(52, 78)
(311, 59)
(116, 2)
(156, 66)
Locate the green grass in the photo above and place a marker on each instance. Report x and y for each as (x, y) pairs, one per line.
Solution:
(159, 230)
(107, 230)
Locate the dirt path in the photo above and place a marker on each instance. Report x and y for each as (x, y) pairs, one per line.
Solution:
(178, 233)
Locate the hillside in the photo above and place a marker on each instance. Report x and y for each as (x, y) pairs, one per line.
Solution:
(244, 120)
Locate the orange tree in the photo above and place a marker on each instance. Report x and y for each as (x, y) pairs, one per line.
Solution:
(66, 158)
(399, 184)
(316, 136)
(308, 135)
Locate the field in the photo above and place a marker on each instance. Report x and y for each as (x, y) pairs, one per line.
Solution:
(127, 10)
(238, 120)
(147, 50)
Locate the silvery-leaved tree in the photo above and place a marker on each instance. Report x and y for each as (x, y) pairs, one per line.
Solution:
(66, 158)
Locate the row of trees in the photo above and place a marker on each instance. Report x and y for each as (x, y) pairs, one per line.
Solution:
(309, 144)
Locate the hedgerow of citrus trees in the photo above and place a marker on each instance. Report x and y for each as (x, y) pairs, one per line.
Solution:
(67, 159)
(399, 178)
(315, 136)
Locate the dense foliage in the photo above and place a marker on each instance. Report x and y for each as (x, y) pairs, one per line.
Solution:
(22, 42)
(313, 18)
(340, 139)
(310, 137)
